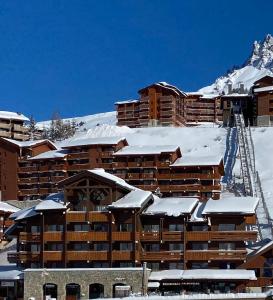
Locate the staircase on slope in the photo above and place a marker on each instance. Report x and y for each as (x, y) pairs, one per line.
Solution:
(251, 179)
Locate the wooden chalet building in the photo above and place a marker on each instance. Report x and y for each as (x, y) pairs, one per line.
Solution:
(5, 211)
(31, 170)
(12, 126)
(159, 104)
(105, 222)
(263, 101)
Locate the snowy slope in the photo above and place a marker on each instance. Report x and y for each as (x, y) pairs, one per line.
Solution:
(259, 64)
(202, 142)
(263, 144)
(89, 121)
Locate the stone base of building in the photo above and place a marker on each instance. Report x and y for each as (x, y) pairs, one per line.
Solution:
(84, 283)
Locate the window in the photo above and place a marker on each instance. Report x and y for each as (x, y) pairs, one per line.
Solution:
(151, 228)
(101, 247)
(81, 247)
(176, 265)
(126, 227)
(226, 227)
(98, 195)
(54, 247)
(176, 247)
(100, 227)
(100, 208)
(200, 227)
(35, 229)
(152, 247)
(54, 227)
(100, 265)
(126, 265)
(200, 265)
(226, 246)
(126, 247)
(35, 247)
(199, 246)
(154, 266)
(81, 227)
(176, 227)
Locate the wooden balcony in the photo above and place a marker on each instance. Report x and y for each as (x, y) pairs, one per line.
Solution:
(83, 155)
(5, 125)
(164, 176)
(20, 136)
(148, 164)
(82, 216)
(120, 165)
(75, 236)
(161, 255)
(163, 164)
(8, 223)
(28, 192)
(133, 176)
(134, 164)
(52, 255)
(4, 133)
(76, 167)
(192, 176)
(221, 236)
(53, 236)
(29, 237)
(28, 169)
(23, 256)
(122, 236)
(215, 255)
(20, 128)
(122, 255)
(28, 180)
(149, 236)
(44, 179)
(87, 255)
(148, 187)
(45, 168)
(107, 154)
(121, 175)
(61, 167)
(57, 178)
(192, 187)
(148, 175)
(169, 236)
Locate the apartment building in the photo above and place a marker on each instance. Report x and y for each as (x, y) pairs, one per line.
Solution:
(31, 170)
(200, 108)
(159, 104)
(105, 222)
(12, 126)
(263, 97)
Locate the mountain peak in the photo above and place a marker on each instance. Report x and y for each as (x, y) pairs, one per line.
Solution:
(259, 64)
(262, 54)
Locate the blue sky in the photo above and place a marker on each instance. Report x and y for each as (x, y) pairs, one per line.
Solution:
(78, 57)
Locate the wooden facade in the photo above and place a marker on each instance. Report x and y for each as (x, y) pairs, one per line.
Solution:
(91, 230)
(12, 126)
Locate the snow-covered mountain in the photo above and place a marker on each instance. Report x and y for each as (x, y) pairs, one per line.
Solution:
(259, 64)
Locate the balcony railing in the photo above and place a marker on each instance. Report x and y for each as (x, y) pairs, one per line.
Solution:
(221, 236)
(83, 155)
(73, 236)
(52, 255)
(149, 236)
(53, 236)
(78, 167)
(172, 236)
(162, 255)
(123, 236)
(122, 255)
(87, 255)
(23, 256)
(215, 255)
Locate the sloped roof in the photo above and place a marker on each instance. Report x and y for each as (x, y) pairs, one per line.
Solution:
(93, 141)
(6, 207)
(13, 116)
(166, 86)
(134, 199)
(189, 159)
(147, 150)
(171, 206)
(50, 155)
(28, 144)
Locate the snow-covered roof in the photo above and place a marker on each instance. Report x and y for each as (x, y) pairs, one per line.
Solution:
(10, 272)
(146, 150)
(6, 207)
(119, 181)
(264, 89)
(13, 116)
(111, 140)
(25, 144)
(167, 86)
(134, 199)
(127, 101)
(50, 155)
(171, 206)
(49, 205)
(189, 159)
(209, 96)
(26, 213)
(216, 274)
(230, 204)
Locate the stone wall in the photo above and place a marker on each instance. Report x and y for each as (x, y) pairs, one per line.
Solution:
(34, 280)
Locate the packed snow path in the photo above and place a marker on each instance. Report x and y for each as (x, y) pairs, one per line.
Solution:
(230, 156)
(251, 177)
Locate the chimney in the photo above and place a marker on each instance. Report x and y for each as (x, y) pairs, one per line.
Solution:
(242, 88)
(230, 88)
